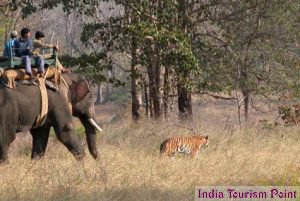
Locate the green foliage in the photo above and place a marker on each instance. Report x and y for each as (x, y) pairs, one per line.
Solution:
(175, 47)
(247, 48)
(230, 45)
(2, 36)
(28, 8)
(3, 24)
(92, 66)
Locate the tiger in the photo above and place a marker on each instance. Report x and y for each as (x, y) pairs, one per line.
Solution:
(186, 145)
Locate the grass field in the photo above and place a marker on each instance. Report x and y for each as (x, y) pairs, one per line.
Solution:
(130, 169)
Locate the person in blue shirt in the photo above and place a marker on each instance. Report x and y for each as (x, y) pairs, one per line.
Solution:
(23, 48)
(8, 47)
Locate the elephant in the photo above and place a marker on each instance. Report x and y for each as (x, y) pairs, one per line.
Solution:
(21, 106)
(80, 99)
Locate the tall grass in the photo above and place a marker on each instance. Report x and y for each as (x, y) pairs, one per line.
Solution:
(130, 169)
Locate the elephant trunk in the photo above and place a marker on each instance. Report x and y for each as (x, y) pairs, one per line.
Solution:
(91, 138)
(94, 124)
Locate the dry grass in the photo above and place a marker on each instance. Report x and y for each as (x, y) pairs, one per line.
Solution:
(130, 168)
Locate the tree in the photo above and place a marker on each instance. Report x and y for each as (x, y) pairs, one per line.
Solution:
(215, 46)
(245, 42)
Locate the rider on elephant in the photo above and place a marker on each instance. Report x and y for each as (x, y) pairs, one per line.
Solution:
(23, 47)
(39, 45)
(8, 48)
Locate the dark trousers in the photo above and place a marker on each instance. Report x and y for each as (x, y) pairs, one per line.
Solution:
(40, 64)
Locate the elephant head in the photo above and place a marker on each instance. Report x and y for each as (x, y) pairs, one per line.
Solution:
(80, 97)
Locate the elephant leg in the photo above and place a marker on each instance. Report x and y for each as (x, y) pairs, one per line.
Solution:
(5, 140)
(40, 138)
(66, 135)
(3, 153)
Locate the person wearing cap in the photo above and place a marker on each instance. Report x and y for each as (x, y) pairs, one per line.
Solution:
(8, 47)
(23, 48)
(39, 45)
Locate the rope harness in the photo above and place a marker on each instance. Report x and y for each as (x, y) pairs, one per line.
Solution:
(44, 101)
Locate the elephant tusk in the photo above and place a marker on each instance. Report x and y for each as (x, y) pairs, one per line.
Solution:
(92, 121)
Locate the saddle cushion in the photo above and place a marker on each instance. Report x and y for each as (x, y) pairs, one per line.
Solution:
(12, 75)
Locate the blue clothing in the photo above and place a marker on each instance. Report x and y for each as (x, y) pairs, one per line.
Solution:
(40, 64)
(8, 48)
(23, 47)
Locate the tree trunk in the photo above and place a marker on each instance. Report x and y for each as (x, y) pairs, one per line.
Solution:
(99, 98)
(245, 87)
(146, 98)
(184, 103)
(153, 70)
(135, 96)
(157, 95)
(246, 95)
(134, 88)
(108, 88)
(154, 93)
(166, 92)
(184, 94)
(150, 103)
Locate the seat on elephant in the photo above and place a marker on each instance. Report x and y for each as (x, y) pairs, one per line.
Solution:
(15, 62)
(10, 76)
(12, 69)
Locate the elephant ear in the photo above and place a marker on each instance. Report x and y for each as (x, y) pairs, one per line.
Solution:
(79, 90)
